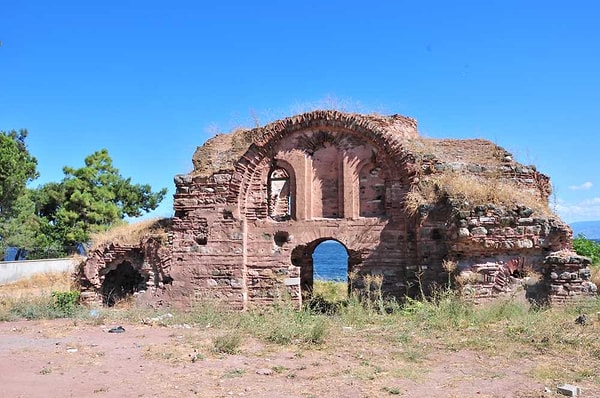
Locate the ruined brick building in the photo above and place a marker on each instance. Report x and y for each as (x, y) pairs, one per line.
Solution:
(420, 213)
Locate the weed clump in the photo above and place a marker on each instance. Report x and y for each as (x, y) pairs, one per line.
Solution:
(228, 343)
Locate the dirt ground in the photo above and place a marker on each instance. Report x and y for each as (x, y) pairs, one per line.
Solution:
(61, 358)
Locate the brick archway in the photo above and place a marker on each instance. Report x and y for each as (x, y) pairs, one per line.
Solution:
(316, 130)
(302, 257)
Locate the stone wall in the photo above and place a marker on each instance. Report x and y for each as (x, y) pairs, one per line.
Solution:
(249, 217)
(567, 277)
(114, 272)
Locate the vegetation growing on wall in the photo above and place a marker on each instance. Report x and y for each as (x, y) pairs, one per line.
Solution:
(472, 190)
(131, 234)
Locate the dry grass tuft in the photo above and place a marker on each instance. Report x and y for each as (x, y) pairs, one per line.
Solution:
(472, 190)
(596, 275)
(132, 234)
(37, 285)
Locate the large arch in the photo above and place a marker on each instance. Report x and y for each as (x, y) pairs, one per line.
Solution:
(385, 135)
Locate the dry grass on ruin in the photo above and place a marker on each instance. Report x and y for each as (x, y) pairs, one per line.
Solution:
(131, 234)
(473, 190)
(595, 278)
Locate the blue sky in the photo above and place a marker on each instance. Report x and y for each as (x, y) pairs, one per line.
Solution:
(152, 80)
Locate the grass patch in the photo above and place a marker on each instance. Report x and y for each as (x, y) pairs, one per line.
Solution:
(284, 324)
(331, 291)
(409, 333)
(38, 284)
(37, 307)
(228, 343)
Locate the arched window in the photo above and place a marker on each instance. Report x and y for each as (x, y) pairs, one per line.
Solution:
(280, 194)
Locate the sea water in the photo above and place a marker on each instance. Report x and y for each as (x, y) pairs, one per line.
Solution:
(330, 262)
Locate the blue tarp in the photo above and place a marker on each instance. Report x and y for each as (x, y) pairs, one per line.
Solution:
(14, 254)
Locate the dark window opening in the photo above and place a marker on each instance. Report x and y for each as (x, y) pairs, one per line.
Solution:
(436, 234)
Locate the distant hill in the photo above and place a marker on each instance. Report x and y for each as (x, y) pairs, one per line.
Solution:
(591, 229)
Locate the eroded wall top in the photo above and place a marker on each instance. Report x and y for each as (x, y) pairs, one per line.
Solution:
(223, 151)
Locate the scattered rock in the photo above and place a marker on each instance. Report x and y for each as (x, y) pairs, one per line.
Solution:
(569, 390)
(264, 371)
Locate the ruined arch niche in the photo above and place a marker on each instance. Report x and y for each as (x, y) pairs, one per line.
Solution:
(121, 280)
(295, 183)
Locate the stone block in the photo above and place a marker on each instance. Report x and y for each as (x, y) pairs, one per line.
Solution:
(291, 281)
(569, 390)
(464, 233)
(479, 231)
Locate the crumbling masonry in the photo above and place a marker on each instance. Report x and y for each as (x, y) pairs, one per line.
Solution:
(421, 213)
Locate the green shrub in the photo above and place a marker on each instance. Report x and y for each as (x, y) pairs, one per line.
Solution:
(228, 343)
(65, 303)
(317, 333)
(33, 308)
(586, 247)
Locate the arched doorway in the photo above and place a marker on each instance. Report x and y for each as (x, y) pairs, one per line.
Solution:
(280, 194)
(322, 262)
(330, 261)
(330, 271)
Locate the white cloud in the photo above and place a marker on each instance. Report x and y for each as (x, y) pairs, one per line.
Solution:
(586, 210)
(586, 185)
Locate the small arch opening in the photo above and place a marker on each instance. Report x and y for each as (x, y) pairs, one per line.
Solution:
(330, 261)
(120, 283)
(324, 272)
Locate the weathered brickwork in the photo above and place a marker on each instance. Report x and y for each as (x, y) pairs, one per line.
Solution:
(258, 203)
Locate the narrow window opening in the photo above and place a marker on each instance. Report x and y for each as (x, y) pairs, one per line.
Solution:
(280, 198)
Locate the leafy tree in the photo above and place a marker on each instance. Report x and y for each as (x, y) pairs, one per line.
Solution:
(17, 168)
(587, 247)
(91, 199)
(18, 223)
